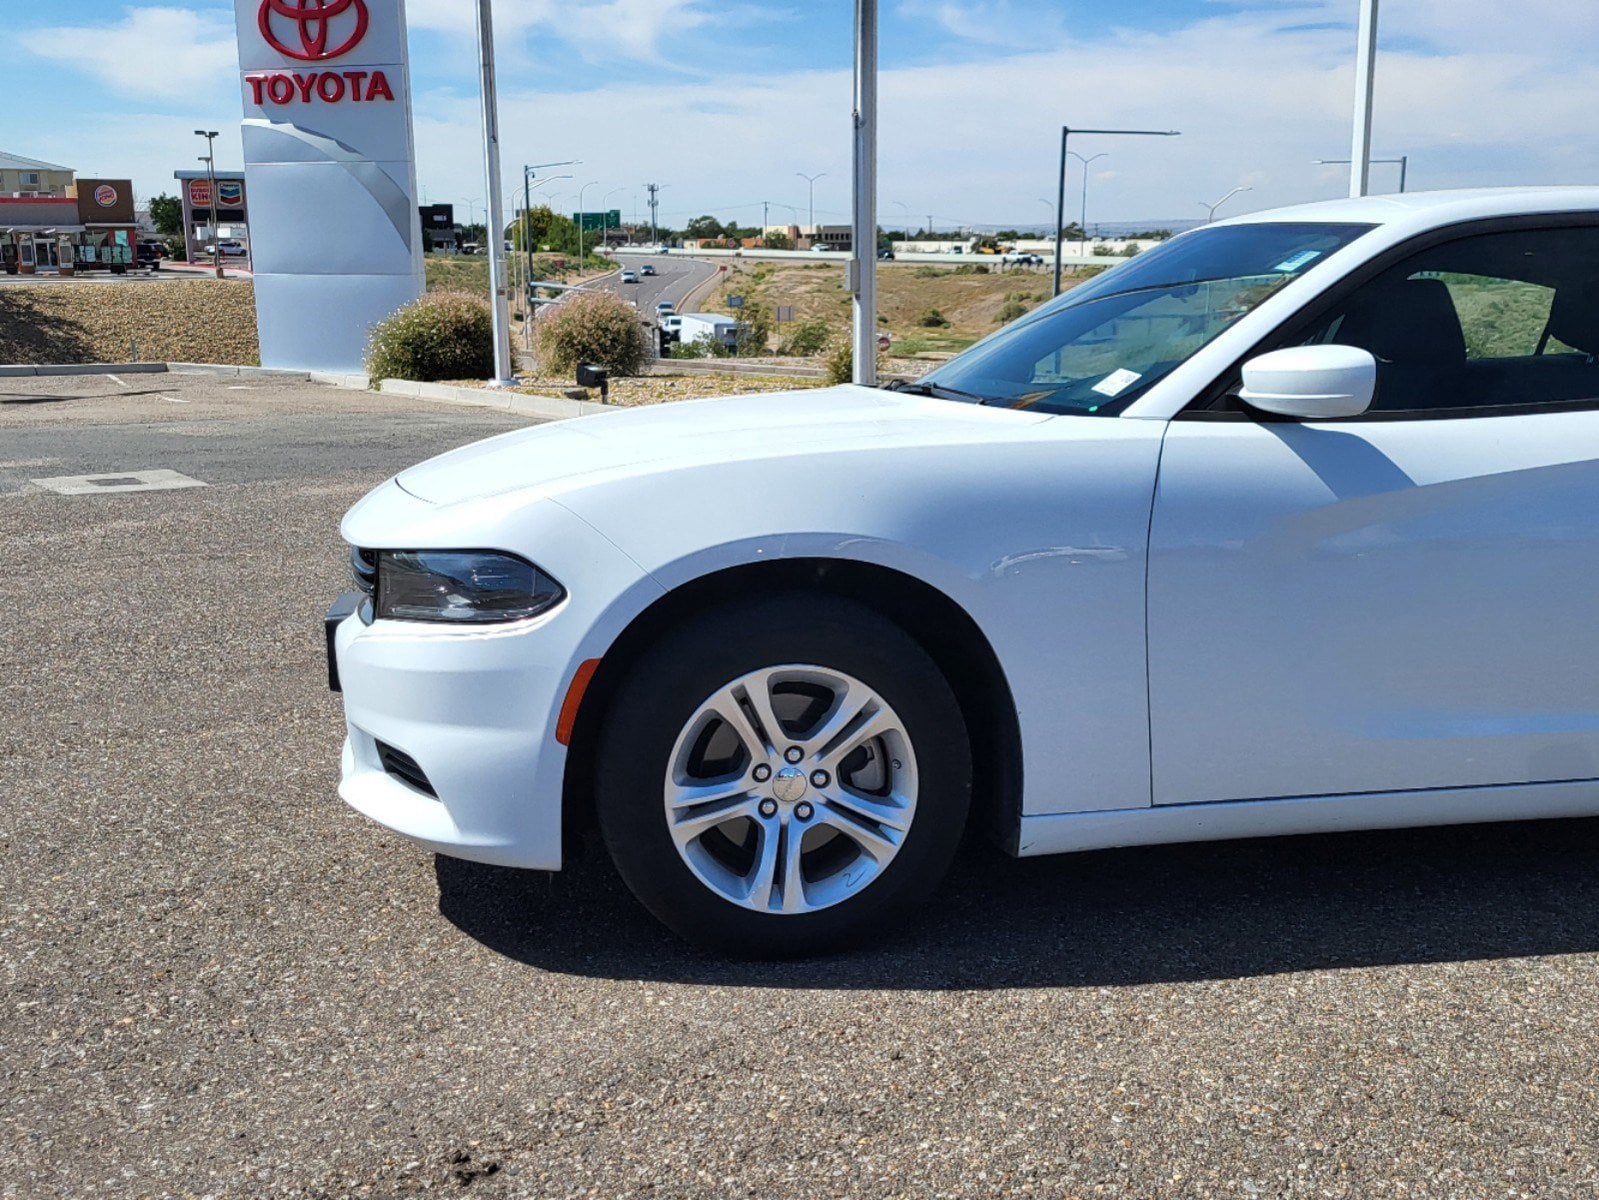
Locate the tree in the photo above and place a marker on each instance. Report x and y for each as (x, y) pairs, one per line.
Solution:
(778, 241)
(706, 227)
(167, 214)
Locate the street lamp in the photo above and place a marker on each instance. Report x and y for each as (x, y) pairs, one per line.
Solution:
(1403, 161)
(605, 222)
(1060, 199)
(1365, 93)
(811, 179)
(210, 161)
(581, 212)
(1082, 224)
(1211, 213)
(528, 173)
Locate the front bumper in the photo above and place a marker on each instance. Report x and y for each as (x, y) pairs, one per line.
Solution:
(472, 713)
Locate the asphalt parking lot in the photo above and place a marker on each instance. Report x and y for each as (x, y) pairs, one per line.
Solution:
(217, 981)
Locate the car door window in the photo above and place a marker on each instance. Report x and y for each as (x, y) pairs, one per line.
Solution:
(1493, 322)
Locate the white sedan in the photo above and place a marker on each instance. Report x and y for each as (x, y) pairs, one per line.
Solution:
(1286, 525)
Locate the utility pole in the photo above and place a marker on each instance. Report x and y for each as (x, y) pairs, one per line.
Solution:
(504, 376)
(863, 270)
(1365, 95)
(654, 190)
(766, 216)
(210, 161)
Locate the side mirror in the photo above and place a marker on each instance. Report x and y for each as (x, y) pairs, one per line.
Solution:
(1312, 383)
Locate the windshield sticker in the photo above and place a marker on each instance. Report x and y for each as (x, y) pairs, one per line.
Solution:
(1297, 262)
(1117, 382)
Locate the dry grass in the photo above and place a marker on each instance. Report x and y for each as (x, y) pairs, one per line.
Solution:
(658, 389)
(188, 320)
(971, 303)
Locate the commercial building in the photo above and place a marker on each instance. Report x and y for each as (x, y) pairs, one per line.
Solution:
(93, 228)
(205, 222)
(439, 232)
(27, 178)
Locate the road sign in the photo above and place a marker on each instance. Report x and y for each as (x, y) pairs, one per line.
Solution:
(785, 312)
(735, 301)
(592, 222)
(884, 341)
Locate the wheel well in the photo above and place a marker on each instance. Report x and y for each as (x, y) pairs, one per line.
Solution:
(943, 628)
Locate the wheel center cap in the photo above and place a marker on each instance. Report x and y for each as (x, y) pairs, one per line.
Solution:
(788, 785)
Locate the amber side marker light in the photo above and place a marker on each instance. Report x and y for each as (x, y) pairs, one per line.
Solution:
(574, 700)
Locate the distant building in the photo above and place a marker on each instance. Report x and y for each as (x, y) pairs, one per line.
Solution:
(92, 229)
(206, 221)
(28, 177)
(839, 237)
(439, 232)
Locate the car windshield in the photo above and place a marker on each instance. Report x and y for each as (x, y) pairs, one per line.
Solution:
(1095, 348)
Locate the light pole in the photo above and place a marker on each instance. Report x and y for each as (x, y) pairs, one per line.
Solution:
(1082, 224)
(580, 215)
(1066, 132)
(863, 268)
(210, 161)
(1210, 214)
(1403, 160)
(1365, 94)
(495, 214)
(811, 179)
(605, 221)
(529, 172)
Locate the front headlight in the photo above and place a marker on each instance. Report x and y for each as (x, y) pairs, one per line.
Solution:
(467, 587)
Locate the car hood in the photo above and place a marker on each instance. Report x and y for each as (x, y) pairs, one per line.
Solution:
(552, 458)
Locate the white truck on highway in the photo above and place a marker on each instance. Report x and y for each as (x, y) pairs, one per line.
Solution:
(693, 326)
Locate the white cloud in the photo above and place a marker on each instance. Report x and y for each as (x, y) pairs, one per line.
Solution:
(165, 52)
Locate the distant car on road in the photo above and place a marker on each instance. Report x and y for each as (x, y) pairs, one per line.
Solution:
(647, 269)
(1022, 259)
(672, 327)
(665, 309)
(821, 248)
(629, 276)
(229, 249)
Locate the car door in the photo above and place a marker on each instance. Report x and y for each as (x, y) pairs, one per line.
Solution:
(1407, 600)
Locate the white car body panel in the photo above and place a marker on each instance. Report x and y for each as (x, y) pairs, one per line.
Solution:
(1373, 602)
(1189, 661)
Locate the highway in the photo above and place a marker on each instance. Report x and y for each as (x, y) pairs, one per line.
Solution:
(674, 279)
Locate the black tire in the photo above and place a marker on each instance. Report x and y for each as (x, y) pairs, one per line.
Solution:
(669, 682)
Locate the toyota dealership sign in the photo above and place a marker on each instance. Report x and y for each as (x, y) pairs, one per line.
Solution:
(330, 161)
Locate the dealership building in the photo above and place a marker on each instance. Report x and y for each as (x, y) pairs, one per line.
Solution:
(90, 226)
(205, 222)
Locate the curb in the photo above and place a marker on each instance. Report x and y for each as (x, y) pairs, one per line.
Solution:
(182, 368)
(549, 408)
(22, 371)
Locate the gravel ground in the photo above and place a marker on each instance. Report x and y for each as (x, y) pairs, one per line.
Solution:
(129, 319)
(219, 982)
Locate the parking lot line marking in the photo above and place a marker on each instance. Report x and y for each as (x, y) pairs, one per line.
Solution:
(121, 481)
(173, 399)
(116, 381)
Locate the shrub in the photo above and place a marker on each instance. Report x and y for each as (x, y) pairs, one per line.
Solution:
(931, 318)
(592, 327)
(806, 339)
(1011, 310)
(444, 335)
(704, 346)
(840, 364)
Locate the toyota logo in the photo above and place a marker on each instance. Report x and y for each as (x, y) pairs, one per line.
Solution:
(313, 25)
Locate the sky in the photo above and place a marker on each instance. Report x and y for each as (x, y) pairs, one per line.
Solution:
(725, 103)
